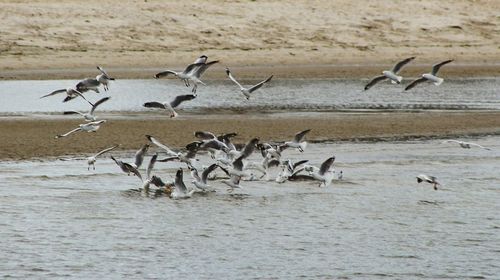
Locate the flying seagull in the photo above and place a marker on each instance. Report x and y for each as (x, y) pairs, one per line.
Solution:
(429, 179)
(169, 106)
(431, 77)
(92, 159)
(88, 127)
(201, 182)
(297, 141)
(104, 78)
(390, 74)
(71, 93)
(247, 91)
(90, 115)
(466, 145)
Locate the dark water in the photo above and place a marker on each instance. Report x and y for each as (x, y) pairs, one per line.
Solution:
(22, 97)
(60, 221)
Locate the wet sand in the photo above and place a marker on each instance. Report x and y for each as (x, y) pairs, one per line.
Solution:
(28, 138)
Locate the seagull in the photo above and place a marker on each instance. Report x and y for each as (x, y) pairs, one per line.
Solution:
(210, 142)
(324, 174)
(88, 127)
(192, 73)
(289, 169)
(133, 167)
(201, 182)
(127, 168)
(88, 84)
(104, 78)
(71, 93)
(428, 179)
(169, 106)
(247, 91)
(466, 145)
(297, 141)
(180, 190)
(390, 74)
(90, 115)
(430, 76)
(187, 158)
(92, 159)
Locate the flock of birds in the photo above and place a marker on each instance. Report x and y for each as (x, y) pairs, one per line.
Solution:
(231, 159)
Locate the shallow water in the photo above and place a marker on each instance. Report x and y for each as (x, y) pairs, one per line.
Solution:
(22, 97)
(61, 221)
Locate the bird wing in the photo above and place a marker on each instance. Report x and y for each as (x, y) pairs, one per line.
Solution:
(179, 183)
(259, 85)
(435, 67)
(232, 78)
(207, 171)
(205, 135)
(157, 181)
(68, 133)
(151, 166)
(139, 155)
(68, 98)
(54, 92)
(299, 136)
(154, 104)
(99, 102)
(214, 144)
(191, 68)
(73, 113)
(238, 163)
(295, 165)
(249, 148)
(106, 150)
(325, 166)
(375, 80)
(159, 144)
(86, 83)
(76, 92)
(415, 82)
(201, 59)
(198, 71)
(102, 71)
(165, 73)
(400, 64)
(168, 159)
(132, 169)
(181, 98)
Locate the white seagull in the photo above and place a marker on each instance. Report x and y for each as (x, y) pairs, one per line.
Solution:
(71, 93)
(169, 106)
(150, 179)
(466, 145)
(133, 167)
(201, 182)
(390, 74)
(92, 159)
(297, 141)
(429, 179)
(104, 78)
(88, 127)
(180, 190)
(430, 76)
(324, 174)
(90, 115)
(247, 91)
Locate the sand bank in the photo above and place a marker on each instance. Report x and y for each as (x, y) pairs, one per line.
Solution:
(24, 139)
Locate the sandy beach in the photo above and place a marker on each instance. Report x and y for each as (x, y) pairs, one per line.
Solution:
(35, 138)
(333, 39)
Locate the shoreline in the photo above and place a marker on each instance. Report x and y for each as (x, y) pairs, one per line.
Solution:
(290, 71)
(34, 138)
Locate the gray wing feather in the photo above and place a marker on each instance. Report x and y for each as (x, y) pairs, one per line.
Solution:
(299, 136)
(102, 100)
(400, 64)
(259, 85)
(179, 183)
(205, 135)
(325, 166)
(436, 67)
(139, 155)
(415, 82)
(54, 92)
(154, 104)
(375, 80)
(207, 171)
(181, 98)
(164, 74)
